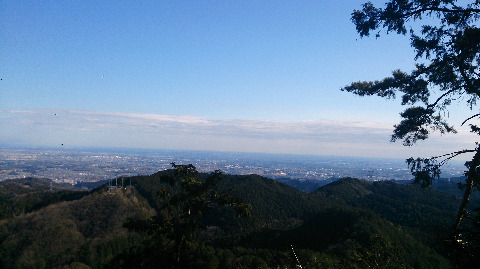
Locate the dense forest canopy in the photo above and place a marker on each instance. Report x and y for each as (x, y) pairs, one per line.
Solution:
(146, 223)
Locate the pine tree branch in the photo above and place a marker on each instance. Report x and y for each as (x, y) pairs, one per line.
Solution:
(440, 98)
(437, 9)
(469, 83)
(452, 155)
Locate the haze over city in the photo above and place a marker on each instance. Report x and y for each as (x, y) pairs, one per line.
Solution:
(249, 76)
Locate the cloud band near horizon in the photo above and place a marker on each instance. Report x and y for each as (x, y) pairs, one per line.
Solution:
(108, 129)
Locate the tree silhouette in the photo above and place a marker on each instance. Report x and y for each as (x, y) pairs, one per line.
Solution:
(447, 47)
(185, 200)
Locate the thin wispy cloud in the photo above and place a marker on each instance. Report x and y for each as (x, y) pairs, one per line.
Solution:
(149, 123)
(108, 129)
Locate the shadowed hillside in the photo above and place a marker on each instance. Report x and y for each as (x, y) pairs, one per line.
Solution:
(408, 205)
(347, 223)
(88, 230)
(24, 195)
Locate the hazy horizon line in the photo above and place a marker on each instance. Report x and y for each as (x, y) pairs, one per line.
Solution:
(82, 128)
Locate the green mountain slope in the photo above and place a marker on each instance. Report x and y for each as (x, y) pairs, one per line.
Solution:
(270, 200)
(25, 195)
(346, 224)
(88, 230)
(407, 205)
(359, 238)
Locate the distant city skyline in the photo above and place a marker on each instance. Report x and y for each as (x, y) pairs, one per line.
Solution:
(249, 76)
(94, 164)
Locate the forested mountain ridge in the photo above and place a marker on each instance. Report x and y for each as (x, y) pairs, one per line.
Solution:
(86, 230)
(348, 223)
(408, 205)
(24, 195)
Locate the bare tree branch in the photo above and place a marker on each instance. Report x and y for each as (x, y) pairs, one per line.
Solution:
(469, 118)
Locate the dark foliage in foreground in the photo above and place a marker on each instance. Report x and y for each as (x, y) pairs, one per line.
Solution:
(446, 40)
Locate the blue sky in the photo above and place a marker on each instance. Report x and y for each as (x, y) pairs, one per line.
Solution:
(213, 75)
